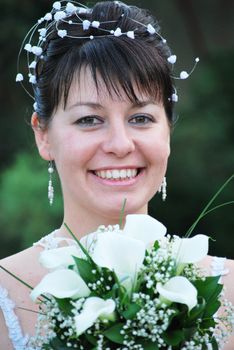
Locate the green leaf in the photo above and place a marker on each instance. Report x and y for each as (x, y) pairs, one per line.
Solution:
(208, 288)
(85, 270)
(149, 345)
(57, 344)
(113, 333)
(198, 310)
(131, 311)
(86, 253)
(214, 344)
(207, 209)
(174, 338)
(64, 305)
(91, 339)
(212, 308)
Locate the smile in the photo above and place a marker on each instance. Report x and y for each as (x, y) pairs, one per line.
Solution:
(117, 174)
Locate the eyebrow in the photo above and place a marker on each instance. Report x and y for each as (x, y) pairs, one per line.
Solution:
(94, 105)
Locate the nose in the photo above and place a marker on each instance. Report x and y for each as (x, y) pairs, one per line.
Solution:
(118, 140)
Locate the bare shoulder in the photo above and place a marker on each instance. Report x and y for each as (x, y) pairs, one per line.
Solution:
(25, 266)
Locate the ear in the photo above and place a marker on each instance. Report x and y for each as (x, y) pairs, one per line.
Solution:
(41, 137)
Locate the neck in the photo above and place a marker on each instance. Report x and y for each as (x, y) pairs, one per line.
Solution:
(82, 222)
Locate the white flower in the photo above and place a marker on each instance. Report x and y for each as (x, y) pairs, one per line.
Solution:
(184, 75)
(42, 32)
(33, 64)
(86, 24)
(62, 33)
(61, 283)
(144, 228)
(59, 257)
(190, 250)
(174, 97)
(37, 50)
(93, 309)
(118, 32)
(57, 5)
(172, 59)
(28, 47)
(131, 34)
(151, 29)
(48, 16)
(32, 79)
(19, 77)
(95, 24)
(119, 253)
(70, 8)
(139, 233)
(59, 15)
(178, 289)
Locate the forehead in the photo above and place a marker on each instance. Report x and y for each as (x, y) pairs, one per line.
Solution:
(84, 87)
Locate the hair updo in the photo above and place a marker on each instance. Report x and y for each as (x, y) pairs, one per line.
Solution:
(121, 62)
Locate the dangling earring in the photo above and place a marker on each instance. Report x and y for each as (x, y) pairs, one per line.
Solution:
(163, 189)
(50, 184)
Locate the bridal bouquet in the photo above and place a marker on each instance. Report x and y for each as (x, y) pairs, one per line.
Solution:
(130, 288)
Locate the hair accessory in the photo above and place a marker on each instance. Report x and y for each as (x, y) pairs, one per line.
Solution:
(61, 13)
(163, 189)
(50, 184)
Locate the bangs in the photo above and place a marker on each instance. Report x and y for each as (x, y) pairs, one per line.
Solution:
(124, 66)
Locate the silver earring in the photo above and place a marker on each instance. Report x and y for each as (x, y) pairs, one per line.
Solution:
(50, 184)
(163, 189)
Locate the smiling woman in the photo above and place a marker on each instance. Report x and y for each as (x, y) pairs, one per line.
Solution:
(104, 95)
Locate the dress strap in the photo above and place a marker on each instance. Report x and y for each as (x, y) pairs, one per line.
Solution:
(19, 341)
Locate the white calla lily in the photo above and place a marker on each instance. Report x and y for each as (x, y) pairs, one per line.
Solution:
(178, 289)
(144, 228)
(124, 255)
(62, 283)
(59, 257)
(93, 309)
(190, 250)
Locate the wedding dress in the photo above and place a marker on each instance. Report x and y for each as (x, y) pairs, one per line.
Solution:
(19, 340)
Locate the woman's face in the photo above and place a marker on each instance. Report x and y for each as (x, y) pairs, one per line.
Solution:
(107, 150)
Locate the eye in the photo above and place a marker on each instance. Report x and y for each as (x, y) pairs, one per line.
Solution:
(141, 119)
(89, 121)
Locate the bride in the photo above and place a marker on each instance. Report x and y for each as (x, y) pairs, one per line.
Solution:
(104, 96)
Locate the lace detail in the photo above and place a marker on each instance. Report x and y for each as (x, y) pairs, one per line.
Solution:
(19, 341)
(50, 241)
(218, 267)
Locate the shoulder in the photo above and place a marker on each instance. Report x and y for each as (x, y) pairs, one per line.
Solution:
(24, 266)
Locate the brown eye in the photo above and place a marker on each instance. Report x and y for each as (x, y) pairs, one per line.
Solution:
(89, 121)
(141, 119)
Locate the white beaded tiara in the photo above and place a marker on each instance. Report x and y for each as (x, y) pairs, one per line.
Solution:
(61, 13)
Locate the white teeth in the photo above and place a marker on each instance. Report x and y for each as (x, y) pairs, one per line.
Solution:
(116, 174)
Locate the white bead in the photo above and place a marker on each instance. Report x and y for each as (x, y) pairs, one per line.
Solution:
(184, 75)
(50, 170)
(172, 59)
(131, 34)
(19, 77)
(48, 17)
(62, 33)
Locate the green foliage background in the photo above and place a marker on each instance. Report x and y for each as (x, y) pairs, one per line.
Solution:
(202, 156)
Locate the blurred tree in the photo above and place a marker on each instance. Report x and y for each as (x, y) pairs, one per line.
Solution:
(25, 213)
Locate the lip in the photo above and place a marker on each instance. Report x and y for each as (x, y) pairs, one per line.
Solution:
(118, 183)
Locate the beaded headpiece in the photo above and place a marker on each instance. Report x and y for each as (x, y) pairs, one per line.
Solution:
(61, 13)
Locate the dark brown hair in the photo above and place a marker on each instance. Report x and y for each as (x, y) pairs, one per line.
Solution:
(121, 62)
